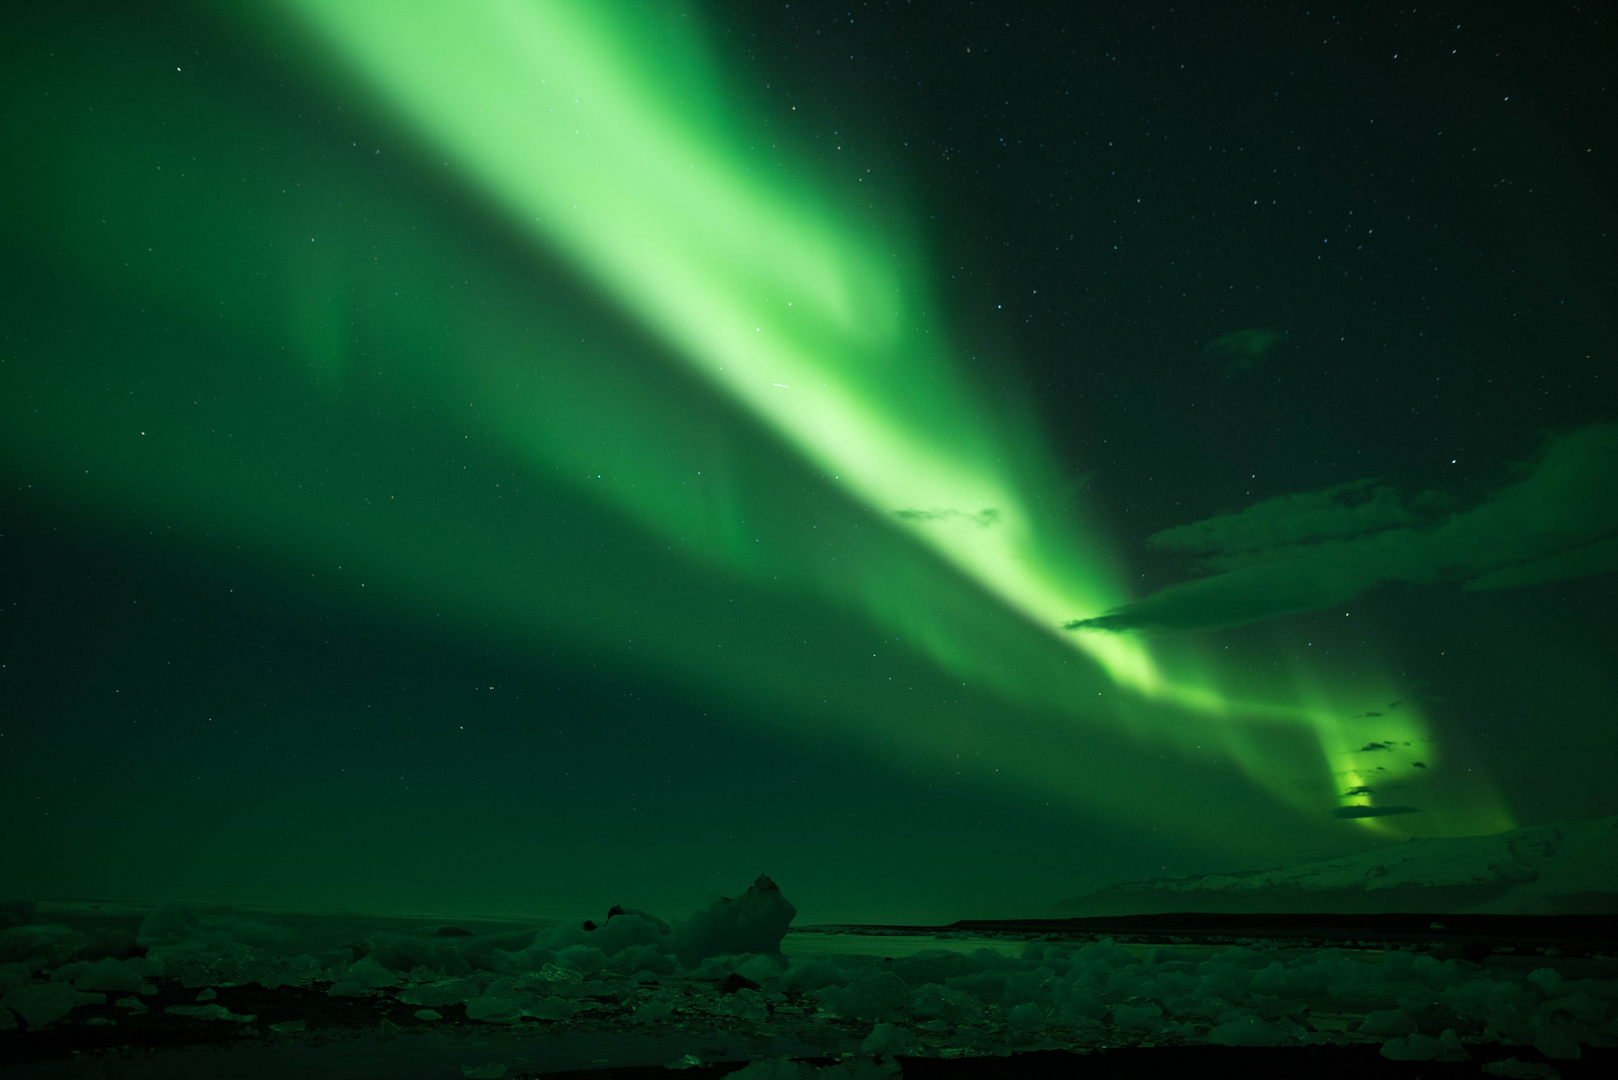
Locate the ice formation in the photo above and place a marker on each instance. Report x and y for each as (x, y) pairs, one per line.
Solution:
(733, 967)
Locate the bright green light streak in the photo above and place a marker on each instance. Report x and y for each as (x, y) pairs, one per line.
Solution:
(597, 127)
(796, 315)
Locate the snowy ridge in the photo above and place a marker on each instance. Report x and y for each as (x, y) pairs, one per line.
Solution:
(1569, 867)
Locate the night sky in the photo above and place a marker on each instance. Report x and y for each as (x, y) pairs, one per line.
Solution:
(517, 458)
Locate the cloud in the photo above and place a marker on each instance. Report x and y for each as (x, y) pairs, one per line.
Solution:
(1347, 510)
(982, 519)
(1297, 553)
(1372, 811)
(1244, 349)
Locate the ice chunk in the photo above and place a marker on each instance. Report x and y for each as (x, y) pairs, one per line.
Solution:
(625, 928)
(532, 958)
(554, 979)
(717, 968)
(1554, 1037)
(8, 1022)
(1269, 1008)
(933, 966)
(369, 975)
(649, 958)
(1127, 983)
(754, 922)
(1218, 986)
(41, 945)
(813, 975)
(1439, 974)
(175, 923)
(429, 1014)
(1579, 1005)
(873, 995)
(1446, 1047)
(1027, 1016)
(747, 1004)
(1307, 980)
(1240, 957)
(549, 1008)
(1105, 951)
(585, 958)
(110, 974)
(118, 944)
(1388, 1022)
(247, 932)
(888, 1039)
(1081, 1006)
(450, 992)
(761, 969)
(1547, 979)
(209, 1012)
(653, 1012)
(1136, 1017)
(440, 954)
(40, 1003)
(987, 986)
(498, 1008)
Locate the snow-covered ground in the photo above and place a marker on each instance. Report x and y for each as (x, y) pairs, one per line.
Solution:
(1566, 868)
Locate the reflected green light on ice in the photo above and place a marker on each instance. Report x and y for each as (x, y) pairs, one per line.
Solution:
(601, 129)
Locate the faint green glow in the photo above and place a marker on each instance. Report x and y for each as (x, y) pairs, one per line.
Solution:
(599, 127)
(599, 130)
(1245, 349)
(804, 319)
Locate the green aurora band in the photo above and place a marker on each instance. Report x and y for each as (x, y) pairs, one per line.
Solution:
(782, 424)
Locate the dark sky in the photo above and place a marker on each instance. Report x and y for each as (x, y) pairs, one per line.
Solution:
(1296, 323)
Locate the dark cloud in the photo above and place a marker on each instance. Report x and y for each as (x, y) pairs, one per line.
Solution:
(1298, 553)
(1373, 811)
(1353, 509)
(1244, 349)
(983, 518)
(1361, 790)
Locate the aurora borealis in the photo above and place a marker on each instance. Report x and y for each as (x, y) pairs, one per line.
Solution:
(548, 467)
